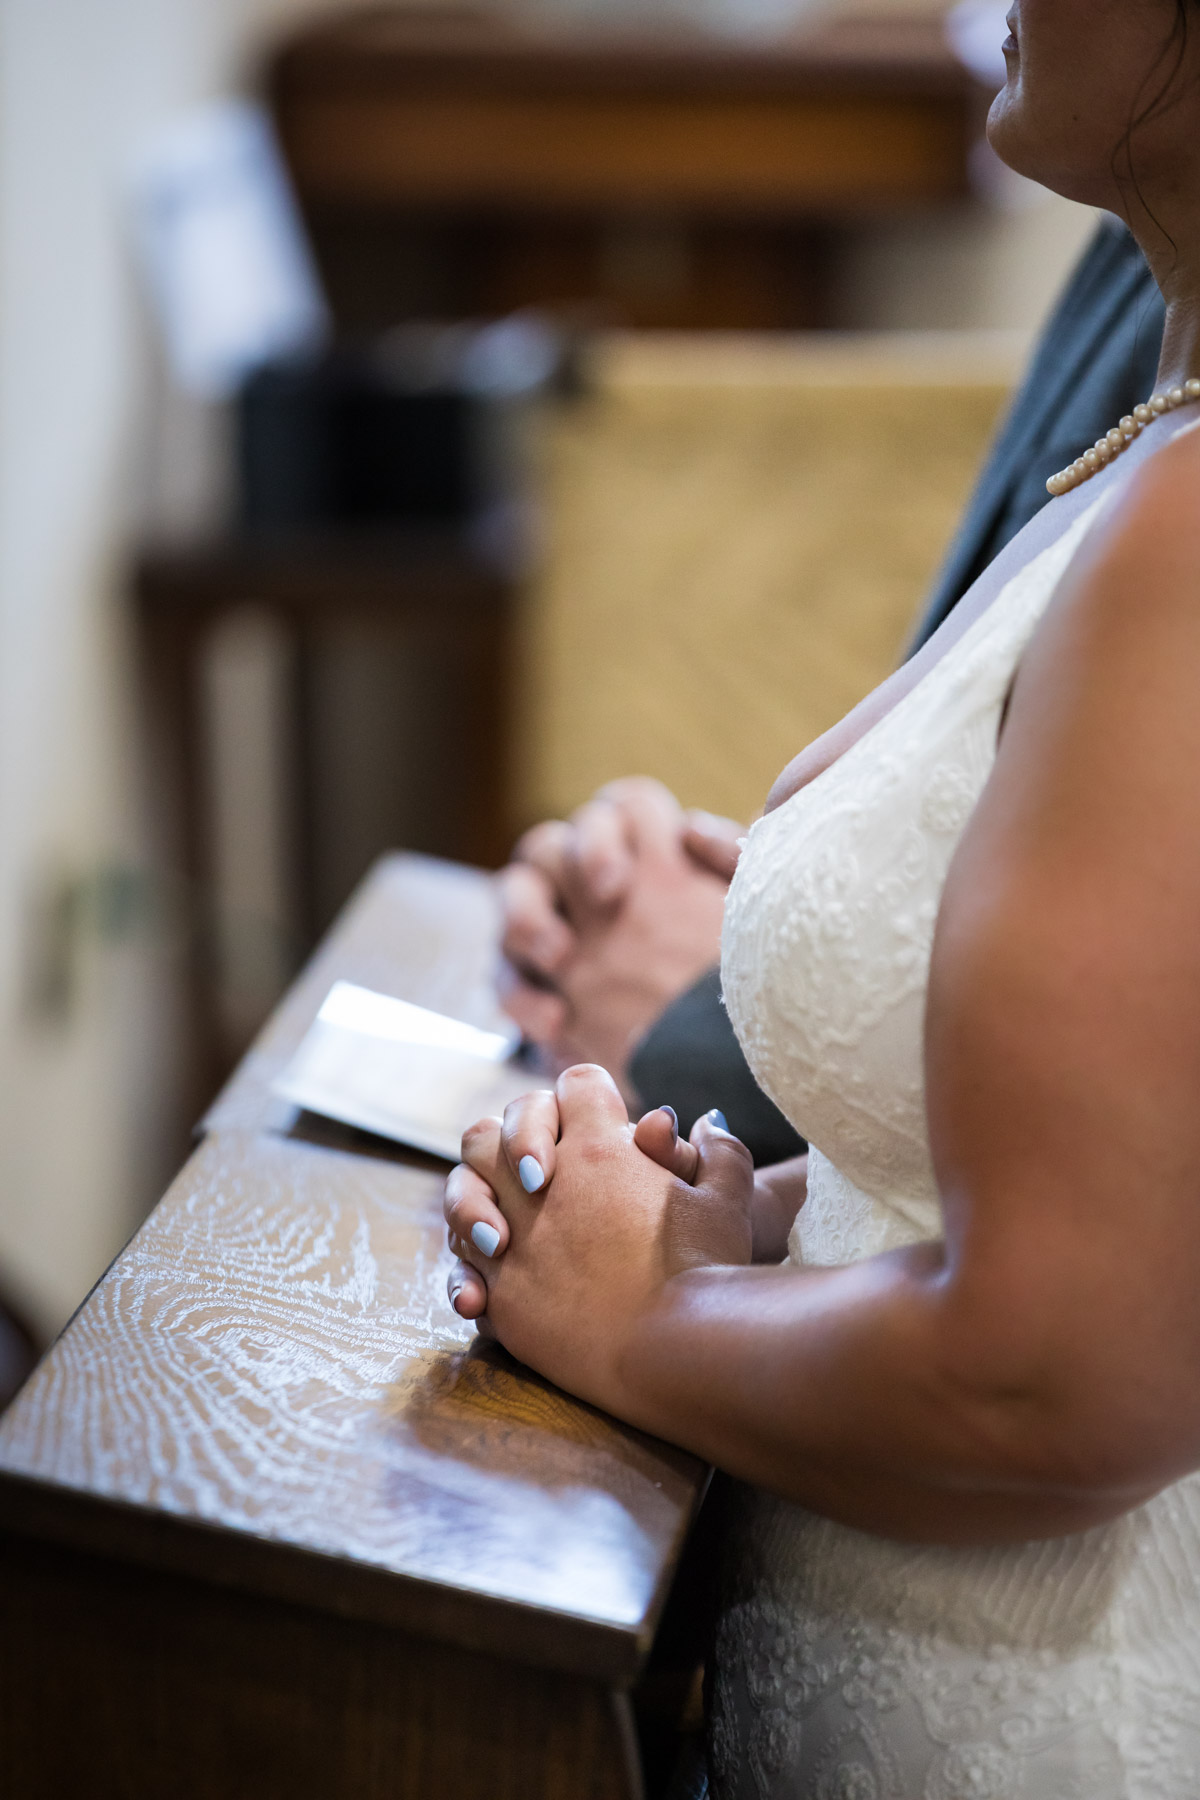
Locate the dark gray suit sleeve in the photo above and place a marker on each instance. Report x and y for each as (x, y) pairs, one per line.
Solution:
(1096, 358)
(690, 1059)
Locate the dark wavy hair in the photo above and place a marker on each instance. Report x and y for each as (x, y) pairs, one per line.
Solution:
(1153, 97)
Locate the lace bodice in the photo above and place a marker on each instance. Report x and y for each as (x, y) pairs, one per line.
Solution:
(851, 1668)
(829, 926)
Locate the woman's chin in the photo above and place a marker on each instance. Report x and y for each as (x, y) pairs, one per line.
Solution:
(1048, 157)
(1004, 131)
(1016, 147)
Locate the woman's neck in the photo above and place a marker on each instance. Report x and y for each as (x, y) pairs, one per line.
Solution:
(1180, 357)
(1175, 265)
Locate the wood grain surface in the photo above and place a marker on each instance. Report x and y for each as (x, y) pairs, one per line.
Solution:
(404, 110)
(270, 1389)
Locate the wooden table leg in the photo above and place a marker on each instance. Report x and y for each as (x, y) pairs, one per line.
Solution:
(172, 723)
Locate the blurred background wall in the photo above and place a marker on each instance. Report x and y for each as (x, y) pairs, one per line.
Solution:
(89, 445)
(98, 450)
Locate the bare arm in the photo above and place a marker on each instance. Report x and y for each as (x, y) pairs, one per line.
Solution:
(779, 1193)
(1040, 1371)
(1045, 1369)
(846, 1389)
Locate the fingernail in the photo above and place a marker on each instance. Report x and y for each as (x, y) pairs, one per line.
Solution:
(532, 1175)
(485, 1238)
(717, 1117)
(673, 1116)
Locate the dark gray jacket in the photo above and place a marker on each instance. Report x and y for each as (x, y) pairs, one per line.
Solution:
(1096, 359)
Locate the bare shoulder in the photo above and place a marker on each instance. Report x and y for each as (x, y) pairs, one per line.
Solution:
(1091, 810)
(1063, 1013)
(1158, 515)
(1128, 603)
(1179, 458)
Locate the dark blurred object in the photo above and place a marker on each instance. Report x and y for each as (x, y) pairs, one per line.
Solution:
(668, 1701)
(20, 1348)
(330, 443)
(452, 163)
(689, 1780)
(692, 1052)
(421, 425)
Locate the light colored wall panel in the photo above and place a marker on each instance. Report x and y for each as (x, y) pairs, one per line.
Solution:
(739, 534)
(83, 84)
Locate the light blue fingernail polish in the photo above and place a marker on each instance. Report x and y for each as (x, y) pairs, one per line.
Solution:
(532, 1174)
(672, 1115)
(717, 1117)
(485, 1238)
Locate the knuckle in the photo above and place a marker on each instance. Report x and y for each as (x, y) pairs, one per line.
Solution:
(593, 1150)
(475, 1137)
(514, 1114)
(544, 845)
(533, 1018)
(529, 843)
(516, 936)
(527, 1112)
(510, 886)
(583, 1075)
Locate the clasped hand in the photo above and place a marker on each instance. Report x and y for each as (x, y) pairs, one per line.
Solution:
(570, 1223)
(608, 918)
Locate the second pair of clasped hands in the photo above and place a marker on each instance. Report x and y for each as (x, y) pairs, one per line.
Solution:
(573, 1226)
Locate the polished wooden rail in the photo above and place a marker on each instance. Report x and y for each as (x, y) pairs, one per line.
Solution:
(272, 1523)
(451, 160)
(407, 107)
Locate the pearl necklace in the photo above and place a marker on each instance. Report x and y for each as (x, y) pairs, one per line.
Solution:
(1121, 436)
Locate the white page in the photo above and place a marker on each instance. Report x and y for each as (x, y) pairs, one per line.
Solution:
(409, 1074)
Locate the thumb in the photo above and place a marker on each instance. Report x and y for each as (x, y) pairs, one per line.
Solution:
(657, 1136)
(726, 1166)
(714, 1224)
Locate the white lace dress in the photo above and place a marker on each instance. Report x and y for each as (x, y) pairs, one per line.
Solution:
(850, 1667)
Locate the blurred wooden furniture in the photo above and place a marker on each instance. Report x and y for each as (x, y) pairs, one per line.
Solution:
(447, 773)
(274, 1526)
(454, 163)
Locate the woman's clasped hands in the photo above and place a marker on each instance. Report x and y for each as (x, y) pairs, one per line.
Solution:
(571, 1224)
